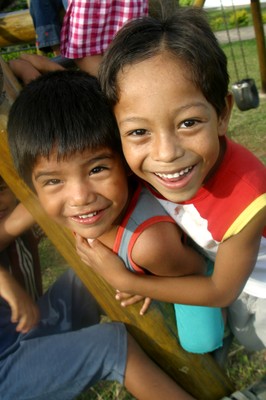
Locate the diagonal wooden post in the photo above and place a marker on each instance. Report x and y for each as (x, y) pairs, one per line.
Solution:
(156, 332)
(16, 28)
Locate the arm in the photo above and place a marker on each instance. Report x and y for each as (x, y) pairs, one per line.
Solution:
(24, 311)
(30, 66)
(160, 250)
(14, 225)
(234, 263)
(161, 257)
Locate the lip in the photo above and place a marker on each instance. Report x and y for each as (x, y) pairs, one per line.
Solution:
(176, 175)
(177, 179)
(88, 218)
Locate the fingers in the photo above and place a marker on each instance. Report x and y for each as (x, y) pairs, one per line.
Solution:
(145, 306)
(24, 70)
(26, 319)
(127, 300)
(41, 63)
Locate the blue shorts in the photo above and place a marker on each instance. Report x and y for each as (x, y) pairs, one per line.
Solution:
(67, 352)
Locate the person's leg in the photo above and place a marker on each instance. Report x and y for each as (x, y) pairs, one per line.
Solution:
(61, 366)
(143, 378)
(146, 381)
(47, 23)
(200, 329)
(247, 318)
(67, 306)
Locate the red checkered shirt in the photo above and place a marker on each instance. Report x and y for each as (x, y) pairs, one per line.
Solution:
(89, 26)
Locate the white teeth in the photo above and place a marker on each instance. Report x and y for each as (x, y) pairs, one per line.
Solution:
(88, 215)
(175, 175)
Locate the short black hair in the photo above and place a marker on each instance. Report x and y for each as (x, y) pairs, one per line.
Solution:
(186, 35)
(66, 109)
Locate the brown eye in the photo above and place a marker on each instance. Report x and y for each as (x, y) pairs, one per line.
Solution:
(188, 123)
(138, 132)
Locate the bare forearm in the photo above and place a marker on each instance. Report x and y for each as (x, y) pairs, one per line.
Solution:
(17, 222)
(218, 290)
(196, 290)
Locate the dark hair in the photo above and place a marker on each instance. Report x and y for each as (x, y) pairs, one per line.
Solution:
(65, 109)
(185, 35)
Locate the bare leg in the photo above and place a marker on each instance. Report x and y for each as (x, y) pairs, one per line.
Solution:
(89, 64)
(146, 381)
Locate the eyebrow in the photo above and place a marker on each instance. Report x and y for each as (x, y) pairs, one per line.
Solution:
(54, 172)
(142, 120)
(138, 120)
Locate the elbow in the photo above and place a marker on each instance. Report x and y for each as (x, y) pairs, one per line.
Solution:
(224, 298)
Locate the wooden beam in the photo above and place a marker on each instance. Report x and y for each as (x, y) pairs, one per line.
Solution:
(16, 28)
(155, 332)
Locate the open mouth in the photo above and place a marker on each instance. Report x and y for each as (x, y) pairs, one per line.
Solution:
(90, 215)
(176, 175)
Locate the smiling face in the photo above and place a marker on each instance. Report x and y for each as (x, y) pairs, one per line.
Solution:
(8, 200)
(169, 131)
(86, 192)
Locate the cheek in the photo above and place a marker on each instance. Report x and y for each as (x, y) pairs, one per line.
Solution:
(132, 156)
(50, 205)
(10, 201)
(207, 147)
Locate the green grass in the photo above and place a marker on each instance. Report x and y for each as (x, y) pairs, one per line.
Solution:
(247, 127)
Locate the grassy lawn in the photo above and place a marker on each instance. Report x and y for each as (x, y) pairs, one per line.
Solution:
(246, 127)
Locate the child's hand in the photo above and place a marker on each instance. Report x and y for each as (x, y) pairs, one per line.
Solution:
(24, 311)
(102, 261)
(128, 299)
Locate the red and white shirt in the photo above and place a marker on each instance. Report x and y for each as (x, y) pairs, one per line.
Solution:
(224, 206)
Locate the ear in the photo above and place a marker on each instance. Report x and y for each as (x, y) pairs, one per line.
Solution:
(224, 118)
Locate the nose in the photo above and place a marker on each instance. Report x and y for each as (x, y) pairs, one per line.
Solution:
(81, 194)
(166, 147)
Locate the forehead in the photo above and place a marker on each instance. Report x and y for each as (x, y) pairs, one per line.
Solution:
(79, 157)
(158, 64)
(163, 81)
(152, 76)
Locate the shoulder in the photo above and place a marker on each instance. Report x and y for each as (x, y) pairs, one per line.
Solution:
(156, 244)
(239, 181)
(243, 167)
